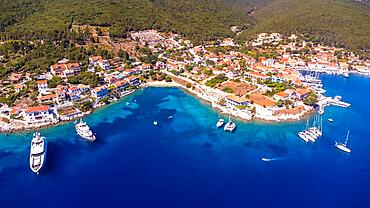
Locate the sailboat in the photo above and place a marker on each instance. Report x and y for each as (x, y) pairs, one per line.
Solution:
(230, 126)
(343, 146)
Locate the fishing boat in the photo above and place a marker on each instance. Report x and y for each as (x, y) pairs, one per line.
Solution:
(37, 152)
(343, 146)
(230, 126)
(84, 131)
(220, 122)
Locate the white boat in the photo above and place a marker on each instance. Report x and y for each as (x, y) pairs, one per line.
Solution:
(169, 117)
(37, 152)
(343, 146)
(220, 122)
(155, 123)
(84, 131)
(303, 136)
(230, 126)
(346, 75)
(330, 120)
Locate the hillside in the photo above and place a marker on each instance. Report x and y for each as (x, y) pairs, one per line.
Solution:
(197, 19)
(334, 22)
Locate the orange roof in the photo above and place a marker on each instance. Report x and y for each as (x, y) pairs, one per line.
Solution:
(47, 97)
(37, 108)
(19, 86)
(42, 81)
(261, 100)
(282, 94)
(256, 74)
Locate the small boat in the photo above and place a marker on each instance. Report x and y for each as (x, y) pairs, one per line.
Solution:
(220, 122)
(346, 75)
(343, 146)
(330, 120)
(127, 103)
(169, 117)
(230, 126)
(38, 152)
(84, 131)
(155, 123)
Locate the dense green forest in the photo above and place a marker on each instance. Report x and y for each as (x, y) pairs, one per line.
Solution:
(334, 22)
(196, 19)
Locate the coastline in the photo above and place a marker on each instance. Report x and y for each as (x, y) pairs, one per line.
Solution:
(220, 109)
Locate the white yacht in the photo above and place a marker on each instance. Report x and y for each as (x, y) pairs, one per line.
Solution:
(84, 131)
(230, 126)
(220, 122)
(155, 123)
(343, 146)
(330, 120)
(38, 152)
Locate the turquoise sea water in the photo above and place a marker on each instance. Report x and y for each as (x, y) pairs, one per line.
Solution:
(187, 162)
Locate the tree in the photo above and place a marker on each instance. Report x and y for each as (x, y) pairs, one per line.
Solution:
(310, 99)
(55, 81)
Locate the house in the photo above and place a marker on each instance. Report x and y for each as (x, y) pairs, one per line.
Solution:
(94, 60)
(38, 114)
(233, 100)
(256, 75)
(104, 64)
(132, 80)
(120, 85)
(60, 93)
(99, 92)
(65, 70)
(15, 77)
(51, 98)
(42, 86)
(18, 87)
(73, 93)
(281, 96)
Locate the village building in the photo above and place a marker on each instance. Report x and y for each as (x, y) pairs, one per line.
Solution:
(42, 86)
(99, 92)
(38, 114)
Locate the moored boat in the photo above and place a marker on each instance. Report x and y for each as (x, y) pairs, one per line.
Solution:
(220, 122)
(84, 131)
(230, 126)
(343, 146)
(37, 152)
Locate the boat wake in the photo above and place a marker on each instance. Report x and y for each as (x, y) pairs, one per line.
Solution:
(272, 159)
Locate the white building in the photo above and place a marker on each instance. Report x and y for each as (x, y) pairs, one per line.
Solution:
(39, 114)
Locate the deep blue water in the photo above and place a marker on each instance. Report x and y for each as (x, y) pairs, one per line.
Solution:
(186, 162)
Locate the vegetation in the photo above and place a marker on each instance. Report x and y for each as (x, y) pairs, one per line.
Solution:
(216, 80)
(340, 23)
(311, 99)
(52, 19)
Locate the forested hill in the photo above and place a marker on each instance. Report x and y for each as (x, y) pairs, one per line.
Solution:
(334, 22)
(197, 19)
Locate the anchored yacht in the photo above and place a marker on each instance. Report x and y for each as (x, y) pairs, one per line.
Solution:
(84, 131)
(38, 152)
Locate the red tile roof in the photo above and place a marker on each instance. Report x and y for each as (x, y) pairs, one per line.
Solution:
(37, 108)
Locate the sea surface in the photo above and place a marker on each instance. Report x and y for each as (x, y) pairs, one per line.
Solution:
(185, 161)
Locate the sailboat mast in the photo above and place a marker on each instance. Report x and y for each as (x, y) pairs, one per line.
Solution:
(345, 143)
